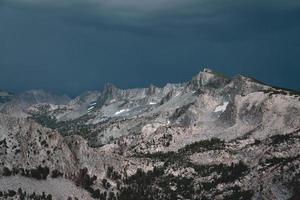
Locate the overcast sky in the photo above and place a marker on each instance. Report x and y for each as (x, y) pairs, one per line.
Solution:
(68, 46)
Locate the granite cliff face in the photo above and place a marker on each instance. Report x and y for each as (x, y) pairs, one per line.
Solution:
(213, 137)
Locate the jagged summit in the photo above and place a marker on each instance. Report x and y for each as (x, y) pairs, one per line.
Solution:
(207, 70)
(207, 79)
(110, 91)
(110, 88)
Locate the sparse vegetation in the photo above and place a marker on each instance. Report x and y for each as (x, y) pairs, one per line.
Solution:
(84, 180)
(75, 127)
(204, 145)
(22, 195)
(158, 185)
(282, 161)
(39, 173)
(239, 194)
(56, 174)
(278, 139)
(45, 120)
(200, 146)
(294, 185)
(155, 185)
(112, 174)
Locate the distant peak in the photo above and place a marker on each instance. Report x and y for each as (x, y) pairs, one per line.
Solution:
(35, 91)
(5, 93)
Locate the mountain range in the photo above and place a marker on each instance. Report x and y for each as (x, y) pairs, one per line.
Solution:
(213, 137)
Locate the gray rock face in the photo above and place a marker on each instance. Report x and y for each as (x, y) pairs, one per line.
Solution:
(211, 138)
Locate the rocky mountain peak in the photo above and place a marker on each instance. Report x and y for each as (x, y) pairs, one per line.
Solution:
(110, 90)
(110, 87)
(207, 70)
(207, 79)
(152, 90)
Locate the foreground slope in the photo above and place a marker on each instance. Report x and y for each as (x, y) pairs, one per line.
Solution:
(210, 138)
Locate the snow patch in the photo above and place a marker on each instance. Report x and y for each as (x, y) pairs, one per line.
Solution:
(93, 104)
(121, 111)
(177, 94)
(53, 107)
(152, 103)
(222, 108)
(89, 109)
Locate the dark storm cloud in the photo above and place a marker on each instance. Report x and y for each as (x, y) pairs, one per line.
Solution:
(141, 16)
(70, 46)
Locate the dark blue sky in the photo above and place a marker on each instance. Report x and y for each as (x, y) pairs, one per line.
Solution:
(68, 46)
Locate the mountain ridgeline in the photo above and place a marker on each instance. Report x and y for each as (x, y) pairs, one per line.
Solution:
(213, 137)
